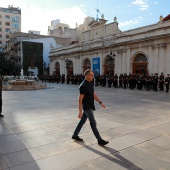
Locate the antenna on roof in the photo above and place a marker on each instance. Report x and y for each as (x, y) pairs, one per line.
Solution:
(97, 10)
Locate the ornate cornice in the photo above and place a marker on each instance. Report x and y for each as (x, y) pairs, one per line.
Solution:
(162, 45)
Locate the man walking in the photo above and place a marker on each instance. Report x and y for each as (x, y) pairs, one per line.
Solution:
(1, 97)
(86, 103)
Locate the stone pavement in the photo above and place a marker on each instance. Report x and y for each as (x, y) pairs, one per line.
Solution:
(36, 131)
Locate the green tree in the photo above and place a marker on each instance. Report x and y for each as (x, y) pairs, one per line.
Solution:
(7, 67)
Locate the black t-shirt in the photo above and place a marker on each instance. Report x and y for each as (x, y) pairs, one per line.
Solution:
(86, 88)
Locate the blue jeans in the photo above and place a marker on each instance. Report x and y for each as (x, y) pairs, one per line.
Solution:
(88, 114)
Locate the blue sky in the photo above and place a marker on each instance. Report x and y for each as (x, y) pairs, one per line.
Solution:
(38, 14)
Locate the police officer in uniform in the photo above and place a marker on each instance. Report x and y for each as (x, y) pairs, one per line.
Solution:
(155, 82)
(167, 81)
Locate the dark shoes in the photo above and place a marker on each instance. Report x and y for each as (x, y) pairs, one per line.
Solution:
(102, 142)
(77, 138)
(1, 115)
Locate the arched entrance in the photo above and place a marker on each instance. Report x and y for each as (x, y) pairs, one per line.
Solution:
(140, 64)
(69, 68)
(57, 68)
(109, 65)
(86, 64)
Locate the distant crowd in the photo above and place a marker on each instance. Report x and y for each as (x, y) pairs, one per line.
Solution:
(148, 82)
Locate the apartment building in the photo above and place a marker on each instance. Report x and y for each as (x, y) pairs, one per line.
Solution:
(15, 51)
(10, 21)
(63, 30)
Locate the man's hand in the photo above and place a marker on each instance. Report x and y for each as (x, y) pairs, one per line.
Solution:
(103, 106)
(80, 115)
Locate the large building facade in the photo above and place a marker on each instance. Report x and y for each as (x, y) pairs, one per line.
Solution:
(10, 21)
(105, 48)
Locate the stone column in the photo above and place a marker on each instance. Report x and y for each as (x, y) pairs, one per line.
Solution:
(161, 59)
(62, 65)
(119, 63)
(156, 60)
(165, 60)
(150, 60)
(123, 62)
(127, 61)
(76, 64)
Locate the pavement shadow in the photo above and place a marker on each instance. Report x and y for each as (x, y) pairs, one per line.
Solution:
(14, 154)
(122, 161)
(116, 158)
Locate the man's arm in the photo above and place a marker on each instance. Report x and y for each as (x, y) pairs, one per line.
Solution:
(98, 100)
(80, 100)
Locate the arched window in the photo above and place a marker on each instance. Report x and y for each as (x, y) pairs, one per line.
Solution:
(57, 65)
(69, 68)
(57, 68)
(140, 64)
(140, 58)
(86, 64)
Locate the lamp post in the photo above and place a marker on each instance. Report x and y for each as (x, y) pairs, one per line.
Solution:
(21, 53)
(68, 66)
(110, 59)
(68, 62)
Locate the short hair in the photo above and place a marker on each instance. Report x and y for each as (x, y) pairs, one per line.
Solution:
(87, 72)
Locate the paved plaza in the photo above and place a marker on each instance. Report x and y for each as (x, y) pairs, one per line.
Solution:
(36, 131)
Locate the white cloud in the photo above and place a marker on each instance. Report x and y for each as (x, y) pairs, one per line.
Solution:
(129, 23)
(143, 5)
(139, 2)
(82, 5)
(140, 17)
(39, 18)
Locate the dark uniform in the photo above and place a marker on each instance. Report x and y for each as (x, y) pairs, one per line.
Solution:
(155, 82)
(109, 80)
(115, 81)
(125, 79)
(121, 81)
(167, 81)
(161, 84)
(63, 79)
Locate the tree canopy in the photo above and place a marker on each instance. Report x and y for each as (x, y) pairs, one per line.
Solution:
(7, 67)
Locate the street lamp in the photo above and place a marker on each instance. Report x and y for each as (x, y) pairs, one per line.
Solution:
(68, 62)
(110, 58)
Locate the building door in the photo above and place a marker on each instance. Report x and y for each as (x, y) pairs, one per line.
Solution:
(70, 68)
(140, 64)
(109, 67)
(57, 68)
(140, 68)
